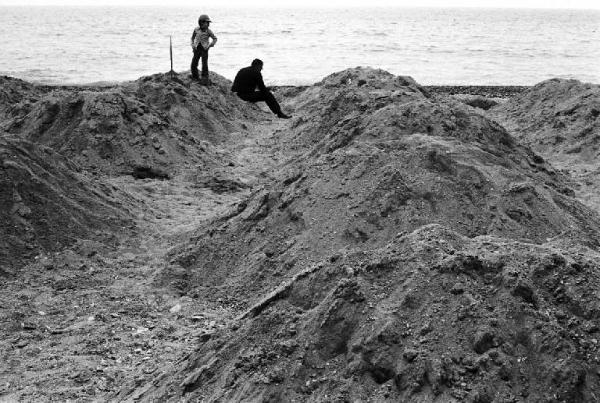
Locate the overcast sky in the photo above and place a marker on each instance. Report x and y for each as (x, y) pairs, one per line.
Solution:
(585, 4)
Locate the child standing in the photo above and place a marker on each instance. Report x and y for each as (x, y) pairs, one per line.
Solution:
(200, 45)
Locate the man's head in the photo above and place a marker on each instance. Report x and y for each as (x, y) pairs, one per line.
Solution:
(257, 64)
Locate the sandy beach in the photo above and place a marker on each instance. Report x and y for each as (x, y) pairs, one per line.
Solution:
(167, 241)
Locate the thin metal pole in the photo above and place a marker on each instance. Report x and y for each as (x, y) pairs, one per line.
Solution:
(171, 52)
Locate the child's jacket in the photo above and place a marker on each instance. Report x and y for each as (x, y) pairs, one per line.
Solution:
(200, 37)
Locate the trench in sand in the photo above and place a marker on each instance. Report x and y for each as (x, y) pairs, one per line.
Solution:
(88, 320)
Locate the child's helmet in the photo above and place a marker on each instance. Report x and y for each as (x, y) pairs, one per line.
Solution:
(203, 17)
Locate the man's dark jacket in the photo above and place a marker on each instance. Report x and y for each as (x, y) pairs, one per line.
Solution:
(247, 80)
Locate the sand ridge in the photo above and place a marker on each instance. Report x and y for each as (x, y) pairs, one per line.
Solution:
(388, 243)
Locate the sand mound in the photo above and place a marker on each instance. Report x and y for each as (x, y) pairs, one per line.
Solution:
(405, 162)
(555, 117)
(158, 122)
(47, 203)
(14, 91)
(344, 97)
(560, 120)
(408, 248)
(430, 315)
(414, 251)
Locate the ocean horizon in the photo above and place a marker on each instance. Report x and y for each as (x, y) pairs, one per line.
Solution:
(452, 46)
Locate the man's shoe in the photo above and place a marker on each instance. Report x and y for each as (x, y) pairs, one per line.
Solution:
(205, 81)
(282, 115)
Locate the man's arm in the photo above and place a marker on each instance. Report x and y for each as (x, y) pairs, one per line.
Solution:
(260, 83)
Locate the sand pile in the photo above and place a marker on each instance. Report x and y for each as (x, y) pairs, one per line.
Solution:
(149, 128)
(15, 92)
(156, 123)
(80, 241)
(555, 117)
(411, 250)
(47, 203)
(430, 315)
(406, 161)
(560, 120)
(401, 246)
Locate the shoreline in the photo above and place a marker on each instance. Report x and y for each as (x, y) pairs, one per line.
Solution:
(489, 91)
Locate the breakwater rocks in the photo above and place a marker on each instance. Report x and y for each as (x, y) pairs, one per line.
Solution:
(391, 242)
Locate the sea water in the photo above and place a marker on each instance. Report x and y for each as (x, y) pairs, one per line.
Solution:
(77, 45)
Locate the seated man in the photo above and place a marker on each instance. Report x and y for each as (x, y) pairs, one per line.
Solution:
(246, 82)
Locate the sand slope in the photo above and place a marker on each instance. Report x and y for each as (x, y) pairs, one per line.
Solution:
(47, 203)
(155, 122)
(359, 178)
(556, 117)
(413, 249)
(560, 120)
(387, 243)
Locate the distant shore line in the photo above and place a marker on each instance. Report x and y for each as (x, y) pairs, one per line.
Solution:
(489, 91)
